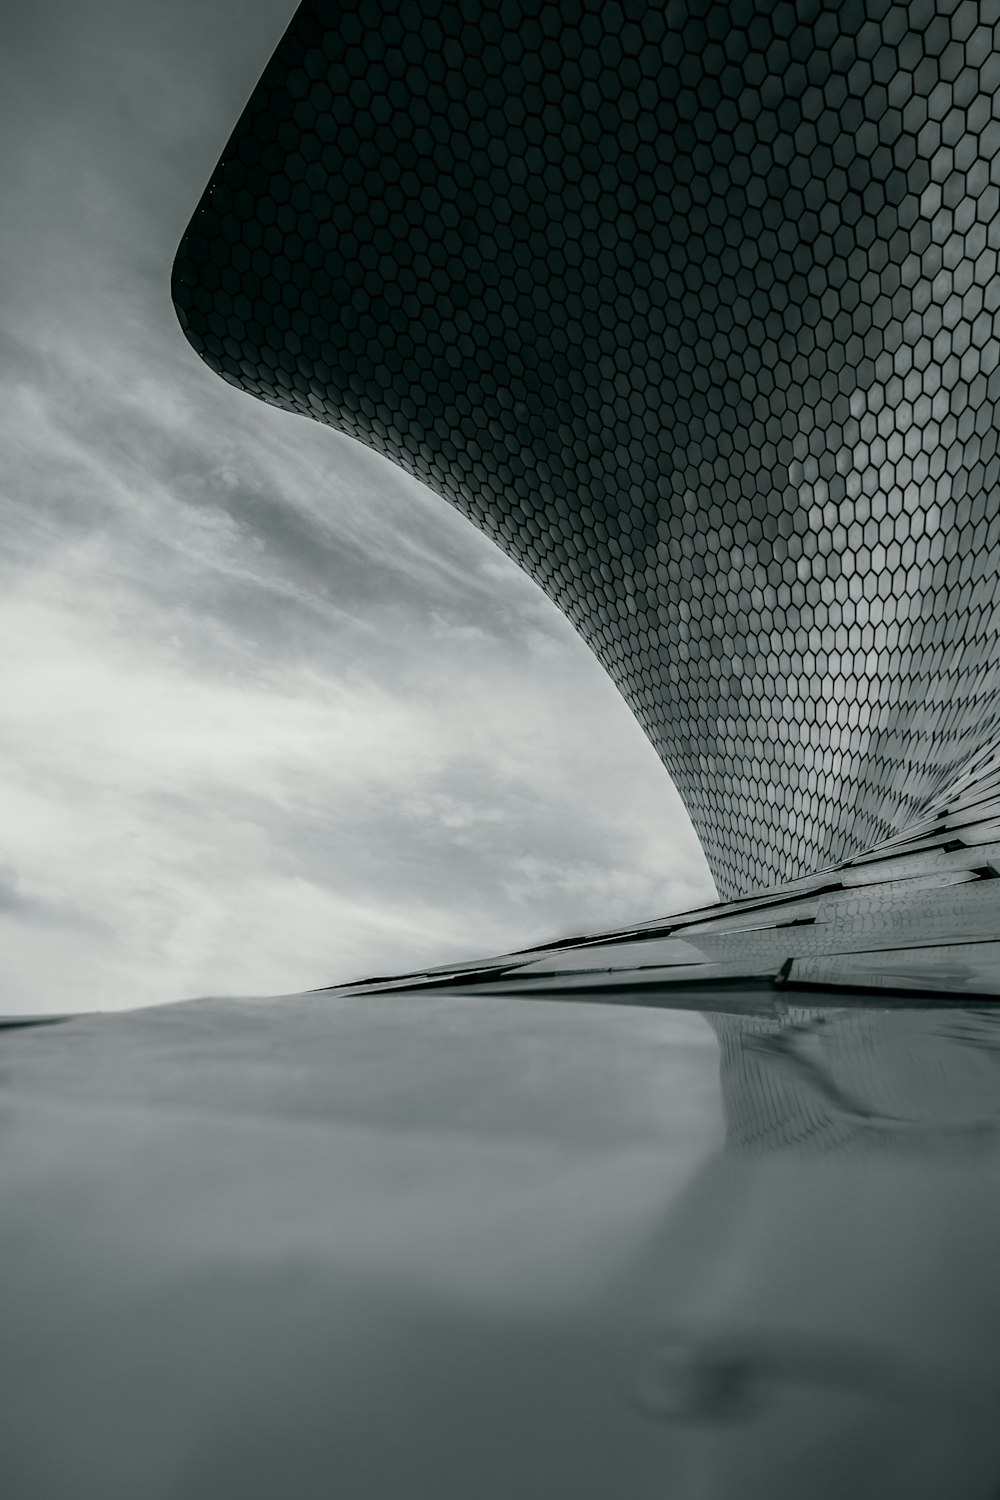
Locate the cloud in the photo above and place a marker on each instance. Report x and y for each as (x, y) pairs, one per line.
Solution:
(274, 714)
(20, 905)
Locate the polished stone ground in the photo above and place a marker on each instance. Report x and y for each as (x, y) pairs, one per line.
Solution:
(438, 1245)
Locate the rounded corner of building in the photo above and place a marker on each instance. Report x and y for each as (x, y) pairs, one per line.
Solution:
(194, 307)
(184, 286)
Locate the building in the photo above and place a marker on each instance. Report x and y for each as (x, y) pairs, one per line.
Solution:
(694, 310)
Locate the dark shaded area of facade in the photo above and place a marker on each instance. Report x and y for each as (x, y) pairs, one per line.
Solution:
(693, 309)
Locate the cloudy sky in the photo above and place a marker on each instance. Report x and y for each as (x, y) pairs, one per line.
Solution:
(272, 715)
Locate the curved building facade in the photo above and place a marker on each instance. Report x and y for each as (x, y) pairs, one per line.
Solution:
(694, 309)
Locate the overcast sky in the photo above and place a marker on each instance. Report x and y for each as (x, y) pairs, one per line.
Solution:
(273, 716)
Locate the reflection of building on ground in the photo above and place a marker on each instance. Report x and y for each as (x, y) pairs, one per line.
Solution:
(819, 1306)
(833, 1079)
(695, 317)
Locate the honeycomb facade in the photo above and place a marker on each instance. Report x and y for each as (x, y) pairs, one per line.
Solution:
(694, 310)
